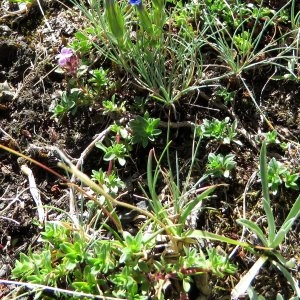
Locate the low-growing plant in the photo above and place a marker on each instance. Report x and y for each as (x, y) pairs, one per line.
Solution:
(144, 50)
(67, 103)
(161, 50)
(144, 129)
(237, 37)
(220, 130)
(84, 84)
(98, 78)
(278, 174)
(226, 96)
(220, 165)
(82, 41)
(111, 183)
(112, 108)
(133, 266)
(116, 151)
(243, 42)
(271, 137)
(126, 266)
(271, 239)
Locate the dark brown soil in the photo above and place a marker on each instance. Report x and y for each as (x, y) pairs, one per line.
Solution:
(28, 87)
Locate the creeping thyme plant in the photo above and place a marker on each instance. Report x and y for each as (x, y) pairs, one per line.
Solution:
(157, 246)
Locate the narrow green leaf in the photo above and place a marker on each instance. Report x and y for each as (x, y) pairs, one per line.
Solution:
(294, 212)
(264, 171)
(145, 21)
(270, 219)
(288, 277)
(150, 174)
(281, 234)
(265, 191)
(200, 234)
(115, 19)
(279, 297)
(280, 259)
(155, 203)
(187, 210)
(246, 280)
(253, 227)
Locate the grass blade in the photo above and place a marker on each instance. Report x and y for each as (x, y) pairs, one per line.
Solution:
(246, 280)
(281, 234)
(255, 229)
(190, 206)
(265, 191)
(200, 234)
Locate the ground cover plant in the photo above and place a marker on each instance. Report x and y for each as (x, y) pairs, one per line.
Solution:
(149, 149)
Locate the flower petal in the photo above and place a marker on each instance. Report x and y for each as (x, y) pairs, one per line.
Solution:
(135, 2)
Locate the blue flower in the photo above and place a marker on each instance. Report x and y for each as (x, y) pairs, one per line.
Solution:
(135, 2)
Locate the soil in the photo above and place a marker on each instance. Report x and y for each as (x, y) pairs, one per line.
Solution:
(29, 85)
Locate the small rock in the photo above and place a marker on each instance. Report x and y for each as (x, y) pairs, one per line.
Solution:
(4, 29)
(6, 92)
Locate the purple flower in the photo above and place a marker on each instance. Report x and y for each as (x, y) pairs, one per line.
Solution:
(68, 60)
(135, 2)
(64, 56)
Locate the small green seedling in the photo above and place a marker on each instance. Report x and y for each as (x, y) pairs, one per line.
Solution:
(243, 42)
(111, 183)
(278, 174)
(144, 129)
(111, 107)
(98, 78)
(68, 103)
(227, 96)
(219, 129)
(271, 137)
(220, 165)
(82, 42)
(114, 152)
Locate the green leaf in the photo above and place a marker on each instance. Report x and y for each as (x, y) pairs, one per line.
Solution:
(145, 20)
(115, 19)
(271, 221)
(264, 172)
(189, 207)
(101, 146)
(246, 280)
(294, 212)
(265, 190)
(253, 227)
(67, 247)
(144, 129)
(186, 285)
(281, 234)
(200, 234)
(109, 156)
(279, 297)
(288, 277)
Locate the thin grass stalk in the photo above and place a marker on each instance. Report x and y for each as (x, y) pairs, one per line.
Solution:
(40, 287)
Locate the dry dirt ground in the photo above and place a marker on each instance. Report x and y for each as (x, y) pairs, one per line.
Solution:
(29, 84)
